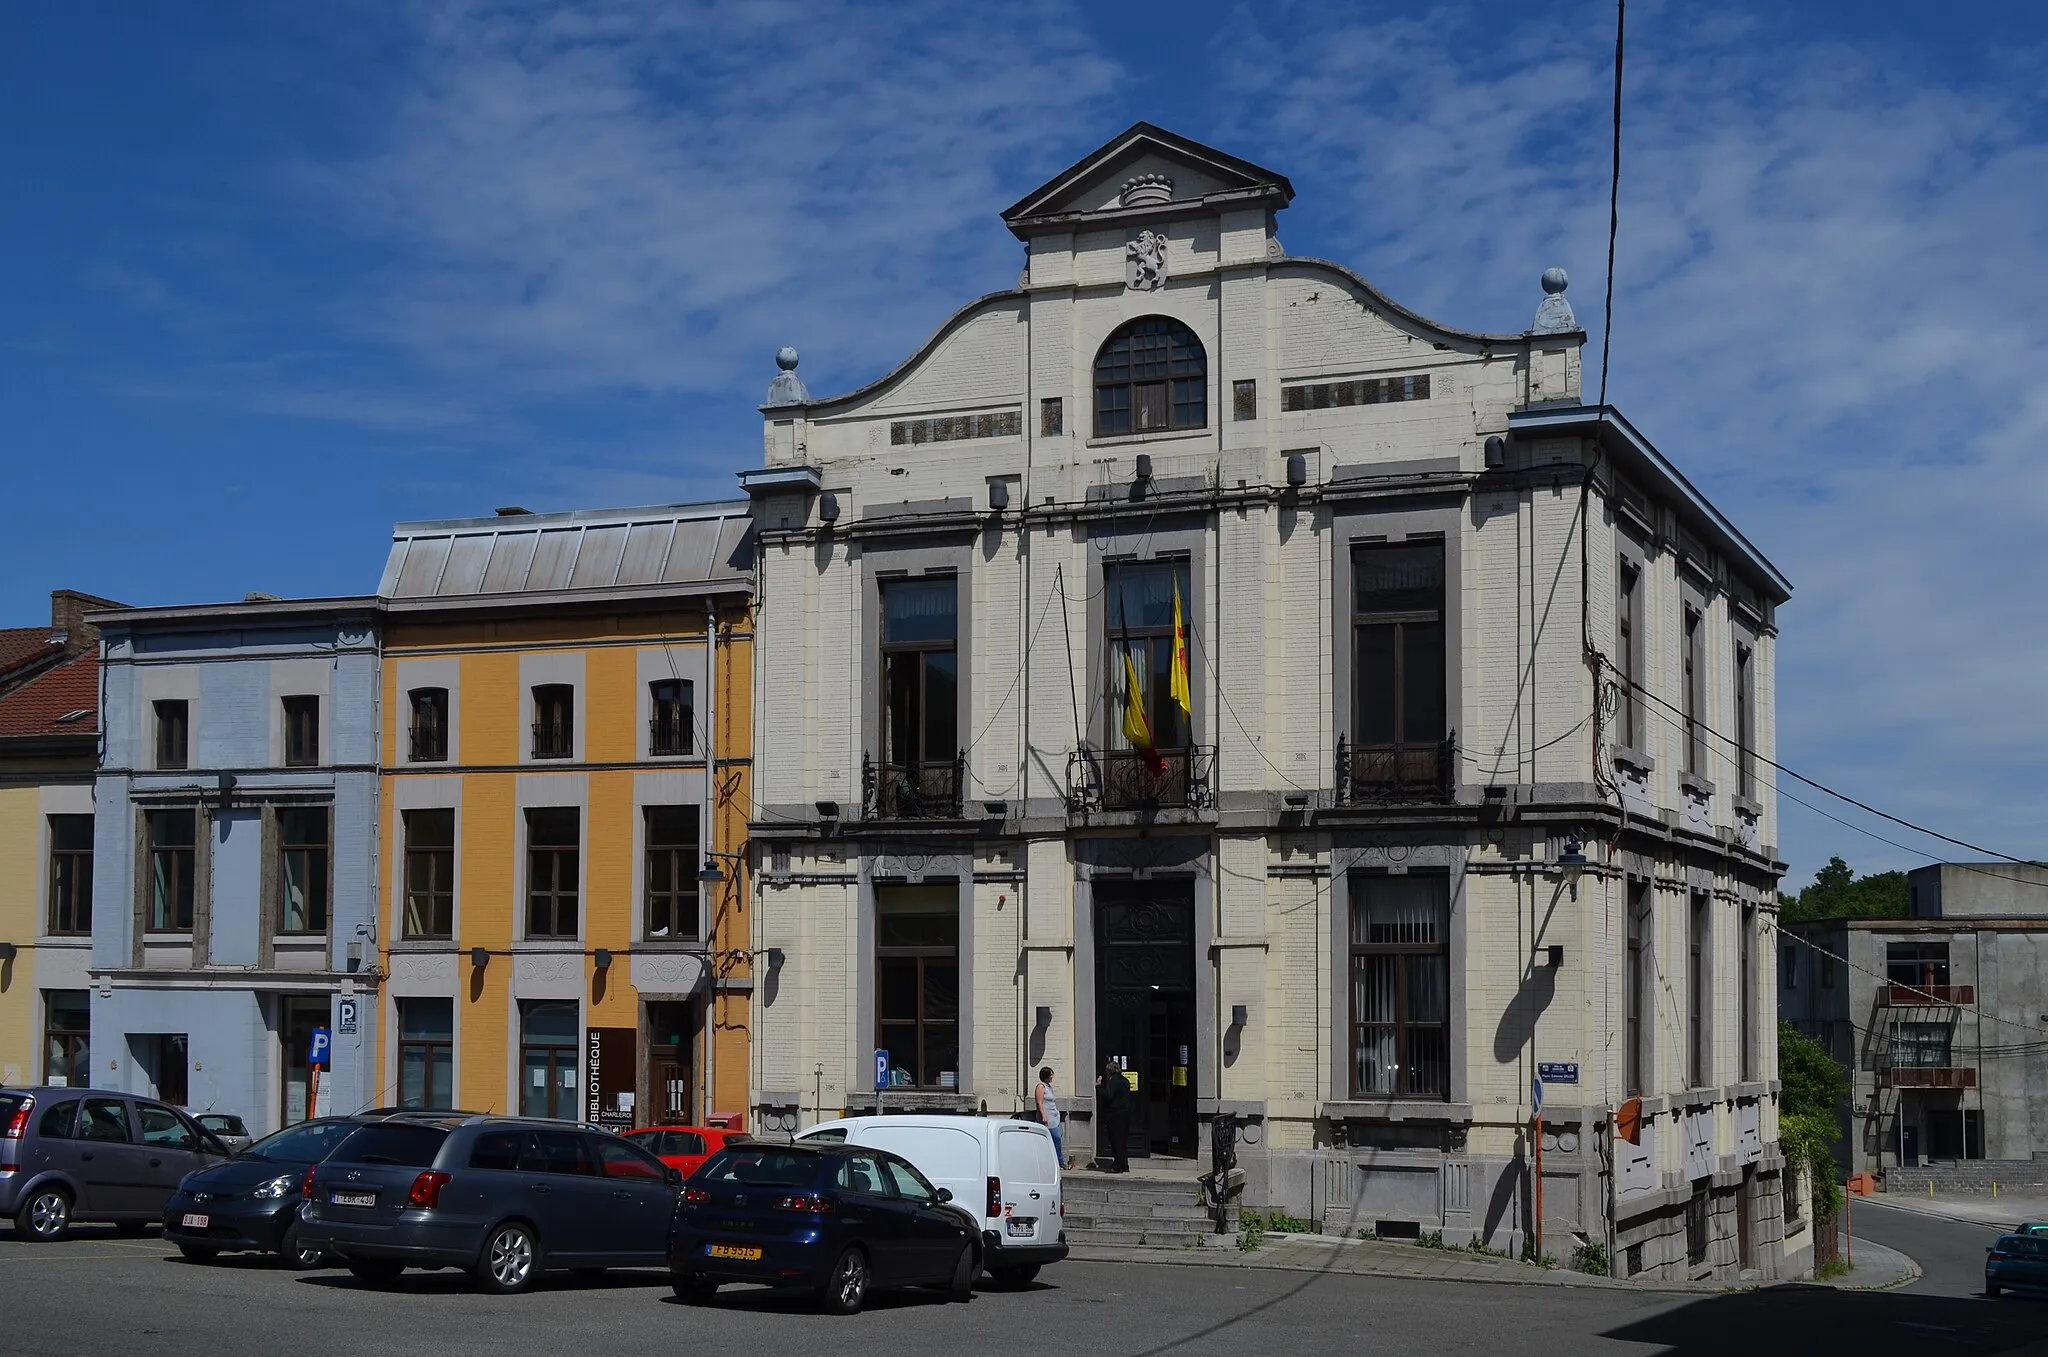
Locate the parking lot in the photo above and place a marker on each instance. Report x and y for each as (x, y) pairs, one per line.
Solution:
(97, 1293)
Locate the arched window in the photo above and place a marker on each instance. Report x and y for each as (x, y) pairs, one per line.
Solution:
(1151, 374)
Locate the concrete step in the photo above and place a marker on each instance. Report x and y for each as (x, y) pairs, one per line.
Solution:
(1090, 1187)
(1114, 1222)
(1159, 1239)
(1114, 1206)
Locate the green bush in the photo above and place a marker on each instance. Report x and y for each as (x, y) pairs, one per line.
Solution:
(1591, 1259)
(1813, 1088)
(1430, 1239)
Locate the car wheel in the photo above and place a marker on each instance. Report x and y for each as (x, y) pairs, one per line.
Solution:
(510, 1261)
(45, 1217)
(301, 1257)
(1014, 1278)
(195, 1254)
(847, 1288)
(378, 1271)
(694, 1290)
(961, 1288)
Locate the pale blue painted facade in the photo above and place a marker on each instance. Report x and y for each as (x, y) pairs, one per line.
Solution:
(212, 991)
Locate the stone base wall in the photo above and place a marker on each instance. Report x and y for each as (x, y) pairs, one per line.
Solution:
(1976, 1176)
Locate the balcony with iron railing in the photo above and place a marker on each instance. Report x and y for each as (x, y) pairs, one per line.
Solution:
(1141, 780)
(428, 744)
(552, 740)
(668, 736)
(1895, 995)
(1396, 774)
(1926, 1076)
(928, 790)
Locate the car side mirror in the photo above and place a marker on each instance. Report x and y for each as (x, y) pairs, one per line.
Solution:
(675, 1177)
(945, 1194)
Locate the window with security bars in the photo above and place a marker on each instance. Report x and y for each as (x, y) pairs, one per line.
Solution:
(302, 833)
(429, 873)
(554, 721)
(673, 861)
(1151, 374)
(429, 734)
(71, 875)
(1699, 1020)
(553, 842)
(672, 708)
(1398, 670)
(1244, 398)
(1920, 1045)
(1052, 417)
(1400, 986)
(1642, 1001)
(917, 989)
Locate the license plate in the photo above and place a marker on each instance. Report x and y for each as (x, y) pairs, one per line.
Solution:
(196, 1222)
(1023, 1227)
(352, 1198)
(740, 1251)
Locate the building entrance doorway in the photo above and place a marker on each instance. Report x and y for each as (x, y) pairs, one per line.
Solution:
(1145, 1006)
(670, 1080)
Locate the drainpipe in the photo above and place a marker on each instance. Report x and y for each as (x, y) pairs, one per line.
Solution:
(711, 796)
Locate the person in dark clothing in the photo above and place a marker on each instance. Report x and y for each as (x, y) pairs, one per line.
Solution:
(1113, 1108)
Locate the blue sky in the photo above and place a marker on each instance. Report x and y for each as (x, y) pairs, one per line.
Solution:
(272, 277)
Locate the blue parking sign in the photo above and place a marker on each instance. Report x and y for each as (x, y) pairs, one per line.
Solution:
(881, 1069)
(316, 1052)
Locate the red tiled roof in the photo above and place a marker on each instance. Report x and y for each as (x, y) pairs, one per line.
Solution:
(22, 646)
(36, 706)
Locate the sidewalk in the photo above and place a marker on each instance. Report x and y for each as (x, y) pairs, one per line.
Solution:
(1375, 1258)
(1998, 1213)
(1877, 1269)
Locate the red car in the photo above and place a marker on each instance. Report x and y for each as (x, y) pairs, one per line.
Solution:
(683, 1147)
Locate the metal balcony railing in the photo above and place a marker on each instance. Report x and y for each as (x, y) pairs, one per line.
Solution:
(1926, 1076)
(927, 790)
(1926, 996)
(1133, 779)
(1387, 774)
(552, 740)
(668, 735)
(429, 744)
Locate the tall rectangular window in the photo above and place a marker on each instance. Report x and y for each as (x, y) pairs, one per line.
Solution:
(1922, 965)
(173, 732)
(921, 697)
(1699, 1011)
(1745, 721)
(1052, 417)
(1642, 1001)
(301, 731)
(1692, 675)
(428, 741)
(426, 1053)
(1746, 966)
(67, 1032)
(70, 875)
(1628, 585)
(1244, 398)
(429, 873)
(172, 846)
(166, 1060)
(1139, 613)
(1398, 703)
(1400, 986)
(552, 842)
(672, 708)
(917, 984)
(549, 1076)
(673, 861)
(554, 721)
(302, 836)
(1921, 1045)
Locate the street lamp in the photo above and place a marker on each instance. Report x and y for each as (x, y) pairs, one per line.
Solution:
(1572, 864)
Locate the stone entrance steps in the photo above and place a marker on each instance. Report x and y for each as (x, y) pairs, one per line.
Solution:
(1127, 1211)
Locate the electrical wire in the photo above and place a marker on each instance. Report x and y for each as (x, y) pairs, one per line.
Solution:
(1887, 980)
(1613, 202)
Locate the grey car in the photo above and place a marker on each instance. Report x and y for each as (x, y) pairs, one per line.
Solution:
(229, 1129)
(82, 1154)
(503, 1198)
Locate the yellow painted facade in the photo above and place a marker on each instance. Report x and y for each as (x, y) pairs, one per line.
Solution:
(20, 912)
(621, 975)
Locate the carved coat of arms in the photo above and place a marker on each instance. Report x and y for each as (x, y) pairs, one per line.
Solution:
(1145, 262)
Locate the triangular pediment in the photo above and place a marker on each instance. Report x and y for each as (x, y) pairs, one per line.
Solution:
(1095, 183)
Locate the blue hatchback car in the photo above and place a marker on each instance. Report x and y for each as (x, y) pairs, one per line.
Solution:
(836, 1220)
(2017, 1262)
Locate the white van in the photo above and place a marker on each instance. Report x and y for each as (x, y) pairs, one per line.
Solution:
(1002, 1174)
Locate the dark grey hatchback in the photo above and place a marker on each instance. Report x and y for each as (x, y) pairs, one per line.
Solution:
(504, 1198)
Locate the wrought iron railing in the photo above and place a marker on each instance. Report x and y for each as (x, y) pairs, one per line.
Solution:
(429, 744)
(552, 740)
(1381, 774)
(1926, 1076)
(1137, 779)
(668, 735)
(929, 790)
(1896, 995)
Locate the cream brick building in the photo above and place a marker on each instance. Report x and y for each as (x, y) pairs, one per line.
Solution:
(1418, 576)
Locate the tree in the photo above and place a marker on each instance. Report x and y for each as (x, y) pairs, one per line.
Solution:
(1838, 893)
(1812, 1089)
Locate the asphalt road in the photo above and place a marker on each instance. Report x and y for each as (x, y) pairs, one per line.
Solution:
(1950, 1253)
(98, 1294)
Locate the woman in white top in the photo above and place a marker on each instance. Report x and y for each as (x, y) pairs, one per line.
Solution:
(1049, 1113)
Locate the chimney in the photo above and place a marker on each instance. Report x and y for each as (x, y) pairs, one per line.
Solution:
(68, 608)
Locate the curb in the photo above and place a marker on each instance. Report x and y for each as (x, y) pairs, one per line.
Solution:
(1232, 1257)
(1913, 1272)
